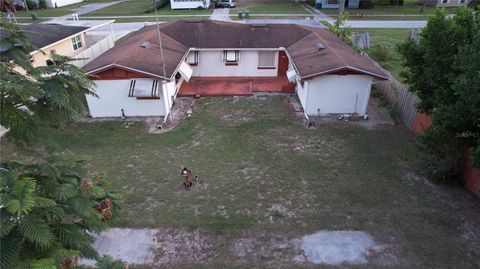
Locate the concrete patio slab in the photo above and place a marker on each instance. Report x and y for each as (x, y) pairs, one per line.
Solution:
(231, 86)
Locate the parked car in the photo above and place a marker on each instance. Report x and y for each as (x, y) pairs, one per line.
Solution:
(226, 4)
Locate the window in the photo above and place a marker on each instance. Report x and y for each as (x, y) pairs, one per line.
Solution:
(76, 42)
(144, 89)
(444, 1)
(266, 59)
(462, 1)
(231, 57)
(193, 58)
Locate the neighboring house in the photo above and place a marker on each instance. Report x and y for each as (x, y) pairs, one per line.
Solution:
(132, 80)
(61, 3)
(189, 4)
(73, 41)
(444, 3)
(335, 4)
(452, 3)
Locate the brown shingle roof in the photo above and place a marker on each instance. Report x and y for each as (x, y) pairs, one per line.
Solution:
(42, 35)
(179, 36)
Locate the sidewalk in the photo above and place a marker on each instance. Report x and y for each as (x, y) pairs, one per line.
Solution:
(385, 24)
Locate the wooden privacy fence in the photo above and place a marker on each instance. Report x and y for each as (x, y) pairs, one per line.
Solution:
(399, 96)
(406, 101)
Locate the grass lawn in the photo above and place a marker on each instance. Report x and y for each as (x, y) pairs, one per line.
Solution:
(411, 7)
(389, 38)
(56, 12)
(262, 170)
(272, 7)
(143, 7)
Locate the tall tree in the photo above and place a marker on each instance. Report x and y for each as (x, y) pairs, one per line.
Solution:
(35, 97)
(444, 71)
(50, 209)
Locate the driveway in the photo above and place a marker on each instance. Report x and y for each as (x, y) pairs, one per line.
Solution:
(221, 14)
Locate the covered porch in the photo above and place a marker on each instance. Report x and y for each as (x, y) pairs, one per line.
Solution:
(235, 86)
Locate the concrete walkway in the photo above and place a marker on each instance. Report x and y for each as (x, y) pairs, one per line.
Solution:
(319, 16)
(221, 14)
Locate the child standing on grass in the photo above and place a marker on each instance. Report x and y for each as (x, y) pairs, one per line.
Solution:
(186, 173)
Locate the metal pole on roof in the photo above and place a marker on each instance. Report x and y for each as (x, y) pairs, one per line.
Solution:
(159, 39)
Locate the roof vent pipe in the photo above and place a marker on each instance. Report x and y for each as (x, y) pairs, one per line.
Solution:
(319, 46)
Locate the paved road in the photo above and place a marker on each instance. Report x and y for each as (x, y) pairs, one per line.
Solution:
(311, 23)
(385, 24)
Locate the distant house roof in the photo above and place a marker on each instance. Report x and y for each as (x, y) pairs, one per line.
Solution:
(314, 51)
(45, 34)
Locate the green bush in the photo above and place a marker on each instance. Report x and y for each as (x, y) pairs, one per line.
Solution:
(42, 4)
(31, 4)
(366, 4)
(159, 4)
(380, 53)
(200, 8)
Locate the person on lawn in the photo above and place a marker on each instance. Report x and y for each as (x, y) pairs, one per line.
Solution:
(186, 173)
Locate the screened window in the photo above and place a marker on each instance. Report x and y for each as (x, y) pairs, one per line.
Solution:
(144, 89)
(76, 42)
(193, 58)
(266, 59)
(231, 56)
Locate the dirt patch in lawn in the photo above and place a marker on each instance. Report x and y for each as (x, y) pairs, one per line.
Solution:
(179, 247)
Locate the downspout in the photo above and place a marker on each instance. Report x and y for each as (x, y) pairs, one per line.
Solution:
(166, 102)
(306, 101)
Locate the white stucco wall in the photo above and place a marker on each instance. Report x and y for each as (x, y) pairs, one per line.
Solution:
(211, 64)
(61, 3)
(113, 96)
(337, 94)
(188, 4)
(302, 92)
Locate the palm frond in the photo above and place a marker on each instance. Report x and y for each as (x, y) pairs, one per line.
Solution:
(10, 250)
(6, 222)
(35, 230)
(21, 200)
(107, 262)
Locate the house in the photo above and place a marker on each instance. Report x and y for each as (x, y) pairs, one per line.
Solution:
(140, 78)
(445, 3)
(73, 41)
(189, 4)
(61, 3)
(451, 3)
(335, 4)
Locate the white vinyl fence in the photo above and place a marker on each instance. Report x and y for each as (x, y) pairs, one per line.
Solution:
(95, 50)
